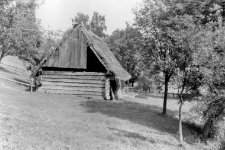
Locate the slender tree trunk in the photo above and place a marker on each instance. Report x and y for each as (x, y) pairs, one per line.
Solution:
(206, 129)
(181, 97)
(165, 94)
(223, 12)
(2, 55)
(180, 121)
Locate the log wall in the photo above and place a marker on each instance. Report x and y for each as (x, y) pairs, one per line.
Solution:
(91, 84)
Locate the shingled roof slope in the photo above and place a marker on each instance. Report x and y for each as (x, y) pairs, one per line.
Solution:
(105, 54)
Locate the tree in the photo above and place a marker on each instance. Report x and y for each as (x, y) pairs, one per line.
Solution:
(187, 38)
(7, 38)
(187, 77)
(155, 19)
(157, 44)
(183, 29)
(81, 18)
(210, 58)
(20, 33)
(124, 44)
(207, 58)
(49, 41)
(96, 24)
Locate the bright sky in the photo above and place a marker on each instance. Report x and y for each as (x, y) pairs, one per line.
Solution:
(57, 14)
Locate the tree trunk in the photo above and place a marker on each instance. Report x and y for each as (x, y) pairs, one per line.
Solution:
(206, 129)
(2, 55)
(165, 94)
(180, 122)
(223, 12)
(107, 89)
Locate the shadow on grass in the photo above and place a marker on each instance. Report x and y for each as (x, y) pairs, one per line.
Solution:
(161, 95)
(132, 135)
(137, 136)
(146, 115)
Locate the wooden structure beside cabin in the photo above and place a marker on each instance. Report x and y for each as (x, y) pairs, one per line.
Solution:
(81, 65)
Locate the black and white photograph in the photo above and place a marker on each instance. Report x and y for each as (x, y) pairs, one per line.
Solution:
(112, 74)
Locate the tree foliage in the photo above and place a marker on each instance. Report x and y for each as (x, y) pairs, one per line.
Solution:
(211, 65)
(185, 41)
(81, 18)
(125, 45)
(50, 39)
(159, 47)
(207, 44)
(96, 24)
(20, 34)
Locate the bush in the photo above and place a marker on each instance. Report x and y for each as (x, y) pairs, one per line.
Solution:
(213, 116)
(220, 136)
(141, 96)
(218, 143)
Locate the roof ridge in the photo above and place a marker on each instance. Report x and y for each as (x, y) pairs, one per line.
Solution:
(93, 34)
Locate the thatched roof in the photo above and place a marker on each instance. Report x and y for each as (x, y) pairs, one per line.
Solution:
(102, 52)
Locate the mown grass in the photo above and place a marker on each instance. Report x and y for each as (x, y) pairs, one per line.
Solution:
(145, 115)
(45, 121)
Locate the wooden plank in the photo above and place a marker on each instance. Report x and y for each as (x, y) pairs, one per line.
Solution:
(79, 49)
(107, 89)
(75, 49)
(85, 93)
(45, 83)
(65, 53)
(73, 73)
(71, 57)
(73, 81)
(74, 77)
(83, 58)
(67, 88)
(72, 93)
(50, 60)
(68, 54)
(56, 58)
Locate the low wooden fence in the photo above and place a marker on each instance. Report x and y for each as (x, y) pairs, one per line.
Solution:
(132, 89)
(14, 69)
(20, 71)
(31, 85)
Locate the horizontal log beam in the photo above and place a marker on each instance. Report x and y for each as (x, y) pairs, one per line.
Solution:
(69, 84)
(80, 93)
(67, 88)
(73, 77)
(73, 81)
(73, 73)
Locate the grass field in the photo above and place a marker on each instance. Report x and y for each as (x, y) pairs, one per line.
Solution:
(57, 122)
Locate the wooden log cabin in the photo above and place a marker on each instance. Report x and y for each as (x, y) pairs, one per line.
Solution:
(81, 65)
